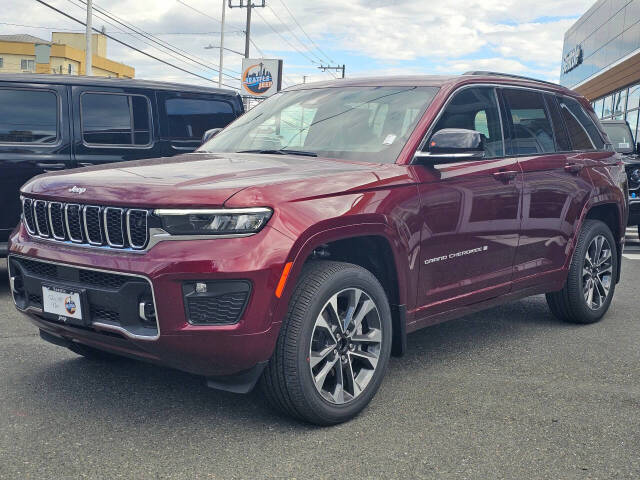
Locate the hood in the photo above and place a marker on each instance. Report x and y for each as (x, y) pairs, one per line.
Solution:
(201, 179)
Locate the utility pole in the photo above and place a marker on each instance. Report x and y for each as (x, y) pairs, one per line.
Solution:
(328, 67)
(88, 52)
(221, 45)
(249, 5)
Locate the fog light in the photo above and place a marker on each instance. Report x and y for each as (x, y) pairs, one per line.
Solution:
(201, 287)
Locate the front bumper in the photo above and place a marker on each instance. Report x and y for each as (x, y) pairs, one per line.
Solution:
(159, 275)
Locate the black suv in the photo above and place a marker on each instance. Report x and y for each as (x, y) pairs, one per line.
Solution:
(51, 122)
(621, 138)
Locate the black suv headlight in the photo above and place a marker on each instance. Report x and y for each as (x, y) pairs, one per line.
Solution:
(224, 221)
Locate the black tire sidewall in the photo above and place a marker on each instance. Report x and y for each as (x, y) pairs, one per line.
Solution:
(348, 278)
(592, 229)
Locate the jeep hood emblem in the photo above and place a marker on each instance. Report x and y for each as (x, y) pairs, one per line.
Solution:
(78, 190)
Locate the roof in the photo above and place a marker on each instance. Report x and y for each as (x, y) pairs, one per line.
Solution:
(434, 81)
(111, 82)
(23, 37)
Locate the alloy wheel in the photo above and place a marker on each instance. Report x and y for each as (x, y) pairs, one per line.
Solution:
(345, 345)
(597, 272)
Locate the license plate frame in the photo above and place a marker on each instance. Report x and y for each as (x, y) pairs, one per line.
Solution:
(66, 304)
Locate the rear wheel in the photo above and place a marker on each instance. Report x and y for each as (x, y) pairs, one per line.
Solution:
(591, 282)
(334, 345)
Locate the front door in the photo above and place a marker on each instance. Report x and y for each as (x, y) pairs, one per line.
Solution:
(470, 213)
(34, 139)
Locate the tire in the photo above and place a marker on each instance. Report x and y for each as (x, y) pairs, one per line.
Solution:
(288, 380)
(570, 304)
(93, 354)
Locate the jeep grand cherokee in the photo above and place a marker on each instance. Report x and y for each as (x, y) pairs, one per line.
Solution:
(298, 247)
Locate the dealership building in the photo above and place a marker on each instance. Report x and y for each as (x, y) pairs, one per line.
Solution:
(601, 59)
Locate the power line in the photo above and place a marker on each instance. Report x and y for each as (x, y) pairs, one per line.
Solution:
(128, 45)
(205, 14)
(305, 33)
(166, 45)
(64, 29)
(294, 35)
(286, 39)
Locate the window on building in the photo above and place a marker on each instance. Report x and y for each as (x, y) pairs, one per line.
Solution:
(109, 119)
(531, 130)
(607, 107)
(189, 118)
(633, 100)
(632, 120)
(597, 107)
(475, 109)
(28, 65)
(619, 103)
(28, 116)
(1, 62)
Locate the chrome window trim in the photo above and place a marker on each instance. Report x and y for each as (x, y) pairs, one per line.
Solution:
(100, 325)
(66, 220)
(53, 231)
(106, 226)
(86, 230)
(35, 216)
(128, 224)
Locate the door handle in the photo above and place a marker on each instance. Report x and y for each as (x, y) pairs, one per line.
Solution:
(505, 175)
(47, 167)
(573, 167)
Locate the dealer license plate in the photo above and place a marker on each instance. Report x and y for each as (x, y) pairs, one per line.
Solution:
(62, 302)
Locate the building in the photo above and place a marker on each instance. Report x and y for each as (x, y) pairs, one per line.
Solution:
(64, 55)
(601, 59)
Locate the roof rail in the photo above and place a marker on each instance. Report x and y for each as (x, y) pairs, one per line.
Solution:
(509, 75)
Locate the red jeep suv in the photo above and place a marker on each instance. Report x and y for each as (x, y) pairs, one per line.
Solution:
(299, 246)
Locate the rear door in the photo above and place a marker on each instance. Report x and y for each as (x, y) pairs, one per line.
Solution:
(113, 124)
(471, 215)
(34, 138)
(556, 184)
(185, 117)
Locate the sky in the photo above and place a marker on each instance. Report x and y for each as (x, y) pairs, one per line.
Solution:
(370, 37)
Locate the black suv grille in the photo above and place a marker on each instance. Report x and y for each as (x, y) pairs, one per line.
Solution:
(87, 224)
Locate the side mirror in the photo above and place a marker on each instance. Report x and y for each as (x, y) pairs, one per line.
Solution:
(453, 145)
(209, 134)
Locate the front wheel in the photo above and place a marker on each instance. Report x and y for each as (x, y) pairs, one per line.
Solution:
(591, 281)
(334, 345)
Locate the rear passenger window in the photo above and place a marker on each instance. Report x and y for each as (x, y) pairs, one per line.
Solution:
(531, 131)
(475, 109)
(190, 118)
(571, 108)
(559, 131)
(28, 116)
(115, 119)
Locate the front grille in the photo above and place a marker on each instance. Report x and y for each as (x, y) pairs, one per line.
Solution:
(87, 224)
(102, 279)
(102, 314)
(39, 268)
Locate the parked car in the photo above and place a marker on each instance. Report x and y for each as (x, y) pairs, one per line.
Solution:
(56, 122)
(300, 245)
(621, 138)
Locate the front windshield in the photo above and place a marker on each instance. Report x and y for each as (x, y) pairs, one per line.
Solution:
(370, 124)
(620, 136)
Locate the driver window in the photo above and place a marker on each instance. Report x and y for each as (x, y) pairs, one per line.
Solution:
(475, 109)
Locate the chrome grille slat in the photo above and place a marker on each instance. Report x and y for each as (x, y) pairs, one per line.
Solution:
(41, 216)
(113, 230)
(88, 225)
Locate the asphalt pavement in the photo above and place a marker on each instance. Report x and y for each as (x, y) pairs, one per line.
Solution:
(506, 393)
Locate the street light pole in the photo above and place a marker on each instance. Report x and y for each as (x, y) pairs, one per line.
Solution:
(88, 49)
(224, 4)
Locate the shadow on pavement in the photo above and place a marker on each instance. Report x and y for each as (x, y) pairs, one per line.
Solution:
(127, 389)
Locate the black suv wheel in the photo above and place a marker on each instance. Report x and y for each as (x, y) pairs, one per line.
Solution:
(334, 345)
(591, 282)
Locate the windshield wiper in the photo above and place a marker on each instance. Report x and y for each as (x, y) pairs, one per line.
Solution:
(281, 151)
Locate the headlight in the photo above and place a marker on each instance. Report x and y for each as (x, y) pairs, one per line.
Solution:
(225, 221)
